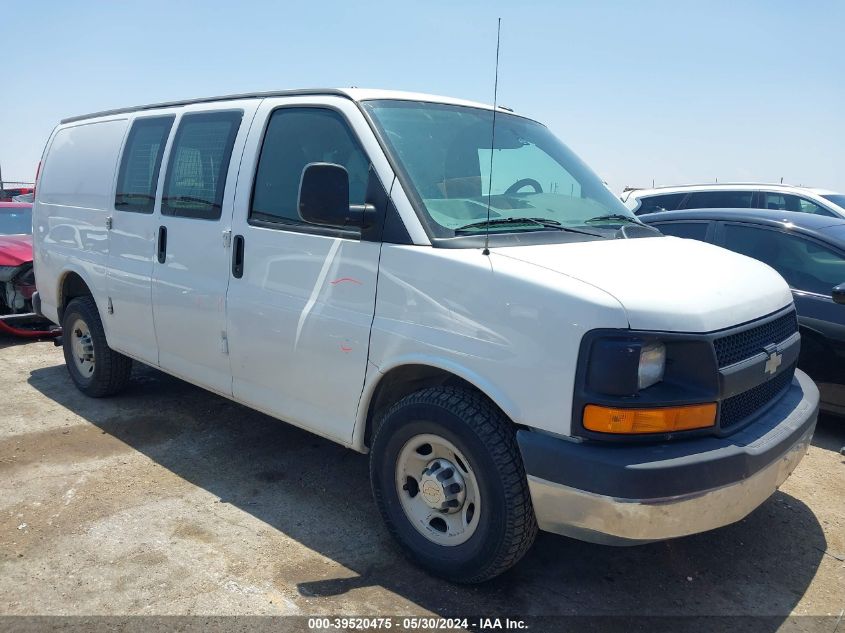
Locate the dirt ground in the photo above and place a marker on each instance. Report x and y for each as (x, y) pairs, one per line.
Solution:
(170, 500)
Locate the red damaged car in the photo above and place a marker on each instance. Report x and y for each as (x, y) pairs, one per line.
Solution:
(17, 280)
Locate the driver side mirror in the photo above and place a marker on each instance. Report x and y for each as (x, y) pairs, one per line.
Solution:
(838, 293)
(324, 194)
(324, 198)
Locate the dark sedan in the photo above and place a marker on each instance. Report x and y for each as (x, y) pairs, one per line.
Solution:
(809, 252)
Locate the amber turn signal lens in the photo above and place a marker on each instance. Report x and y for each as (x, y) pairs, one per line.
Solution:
(662, 420)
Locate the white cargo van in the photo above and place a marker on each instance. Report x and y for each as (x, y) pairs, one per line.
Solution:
(319, 255)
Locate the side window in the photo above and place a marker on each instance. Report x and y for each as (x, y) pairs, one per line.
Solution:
(294, 138)
(139, 167)
(687, 230)
(808, 206)
(789, 202)
(805, 264)
(665, 202)
(772, 201)
(199, 161)
(719, 200)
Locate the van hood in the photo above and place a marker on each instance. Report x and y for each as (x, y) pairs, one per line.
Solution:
(667, 283)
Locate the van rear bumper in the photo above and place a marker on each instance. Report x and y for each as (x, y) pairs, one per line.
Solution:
(631, 494)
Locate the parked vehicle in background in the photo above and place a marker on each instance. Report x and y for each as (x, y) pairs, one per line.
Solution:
(8, 194)
(809, 252)
(15, 218)
(736, 196)
(16, 278)
(17, 282)
(321, 256)
(24, 197)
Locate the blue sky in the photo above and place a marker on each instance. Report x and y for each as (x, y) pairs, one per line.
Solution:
(665, 91)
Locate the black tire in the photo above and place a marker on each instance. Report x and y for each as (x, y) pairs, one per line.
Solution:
(111, 370)
(506, 526)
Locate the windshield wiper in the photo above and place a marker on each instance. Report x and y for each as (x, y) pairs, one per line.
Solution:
(495, 221)
(544, 222)
(617, 217)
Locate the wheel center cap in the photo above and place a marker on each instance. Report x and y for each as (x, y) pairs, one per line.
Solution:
(432, 492)
(442, 486)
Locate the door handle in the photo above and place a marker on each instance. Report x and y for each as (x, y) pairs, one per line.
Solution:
(238, 257)
(162, 244)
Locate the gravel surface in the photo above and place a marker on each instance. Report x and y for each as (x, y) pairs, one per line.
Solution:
(170, 500)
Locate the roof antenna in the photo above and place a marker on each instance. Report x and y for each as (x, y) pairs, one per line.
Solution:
(486, 250)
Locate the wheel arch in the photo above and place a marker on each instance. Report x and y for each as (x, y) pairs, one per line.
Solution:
(386, 385)
(71, 285)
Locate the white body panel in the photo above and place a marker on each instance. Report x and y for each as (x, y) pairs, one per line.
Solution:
(509, 328)
(690, 286)
(132, 245)
(299, 325)
(73, 201)
(189, 303)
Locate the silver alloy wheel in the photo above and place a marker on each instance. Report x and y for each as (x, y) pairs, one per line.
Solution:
(82, 348)
(438, 490)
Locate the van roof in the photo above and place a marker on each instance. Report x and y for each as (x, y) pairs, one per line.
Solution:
(355, 94)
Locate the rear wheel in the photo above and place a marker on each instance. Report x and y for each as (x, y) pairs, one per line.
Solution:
(94, 367)
(448, 479)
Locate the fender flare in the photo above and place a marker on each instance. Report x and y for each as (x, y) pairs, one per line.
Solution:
(376, 375)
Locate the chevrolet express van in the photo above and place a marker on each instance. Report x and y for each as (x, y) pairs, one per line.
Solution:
(473, 308)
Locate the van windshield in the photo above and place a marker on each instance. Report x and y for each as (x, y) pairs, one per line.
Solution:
(445, 152)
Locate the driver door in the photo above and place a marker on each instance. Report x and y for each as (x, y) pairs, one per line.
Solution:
(301, 299)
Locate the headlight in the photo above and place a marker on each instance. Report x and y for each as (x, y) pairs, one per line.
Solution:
(652, 364)
(622, 365)
(640, 382)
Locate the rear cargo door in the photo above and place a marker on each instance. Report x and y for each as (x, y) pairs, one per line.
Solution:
(191, 267)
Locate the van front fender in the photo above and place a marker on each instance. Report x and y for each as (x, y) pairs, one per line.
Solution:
(442, 369)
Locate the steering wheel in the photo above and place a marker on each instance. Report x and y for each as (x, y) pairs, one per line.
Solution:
(524, 182)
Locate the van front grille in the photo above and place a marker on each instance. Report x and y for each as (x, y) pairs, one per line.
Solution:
(743, 405)
(733, 348)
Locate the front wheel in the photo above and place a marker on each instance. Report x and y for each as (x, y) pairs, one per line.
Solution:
(449, 482)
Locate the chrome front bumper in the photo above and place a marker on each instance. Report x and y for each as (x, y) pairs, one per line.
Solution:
(613, 520)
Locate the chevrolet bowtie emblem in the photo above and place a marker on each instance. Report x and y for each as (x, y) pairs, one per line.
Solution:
(773, 362)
